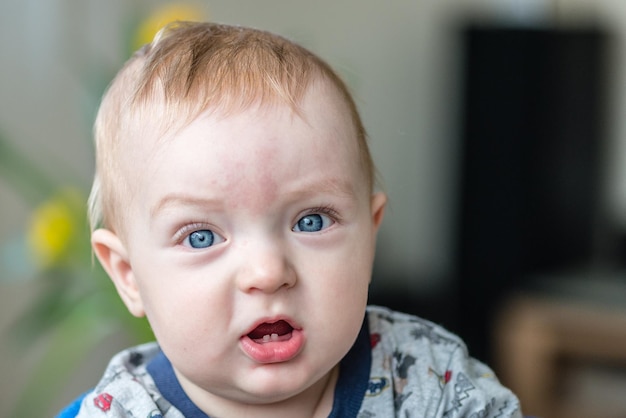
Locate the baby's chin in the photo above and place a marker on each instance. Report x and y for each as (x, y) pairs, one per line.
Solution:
(269, 393)
(272, 393)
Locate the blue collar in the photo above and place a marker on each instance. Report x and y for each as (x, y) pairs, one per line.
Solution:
(354, 374)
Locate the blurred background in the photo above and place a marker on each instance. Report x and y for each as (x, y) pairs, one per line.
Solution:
(498, 128)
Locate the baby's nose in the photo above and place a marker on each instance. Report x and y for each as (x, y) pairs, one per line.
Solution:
(265, 267)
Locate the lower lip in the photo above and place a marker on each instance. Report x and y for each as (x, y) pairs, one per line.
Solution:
(273, 351)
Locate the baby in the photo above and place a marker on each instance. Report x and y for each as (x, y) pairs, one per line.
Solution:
(234, 206)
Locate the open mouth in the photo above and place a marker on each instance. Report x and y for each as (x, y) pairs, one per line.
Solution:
(271, 332)
(273, 342)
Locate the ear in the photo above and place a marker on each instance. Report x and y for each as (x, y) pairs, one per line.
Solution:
(114, 259)
(379, 203)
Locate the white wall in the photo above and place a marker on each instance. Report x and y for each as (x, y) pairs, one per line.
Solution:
(398, 56)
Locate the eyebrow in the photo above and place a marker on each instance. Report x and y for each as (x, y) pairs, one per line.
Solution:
(328, 186)
(180, 199)
(336, 187)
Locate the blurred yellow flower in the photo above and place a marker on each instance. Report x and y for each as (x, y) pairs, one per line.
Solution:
(54, 228)
(162, 16)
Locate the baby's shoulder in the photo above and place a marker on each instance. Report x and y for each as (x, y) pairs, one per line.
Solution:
(421, 369)
(126, 388)
(400, 329)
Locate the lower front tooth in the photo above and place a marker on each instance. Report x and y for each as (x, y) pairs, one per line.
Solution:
(266, 338)
(274, 337)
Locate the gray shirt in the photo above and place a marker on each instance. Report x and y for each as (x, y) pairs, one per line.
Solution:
(416, 369)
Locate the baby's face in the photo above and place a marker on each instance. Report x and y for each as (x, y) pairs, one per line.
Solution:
(251, 240)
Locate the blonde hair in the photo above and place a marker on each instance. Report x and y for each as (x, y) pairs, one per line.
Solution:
(190, 68)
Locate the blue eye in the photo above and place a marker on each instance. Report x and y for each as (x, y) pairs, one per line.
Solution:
(312, 223)
(200, 239)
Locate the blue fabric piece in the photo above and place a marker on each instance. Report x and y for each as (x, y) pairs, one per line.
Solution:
(354, 374)
(351, 385)
(163, 375)
(72, 409)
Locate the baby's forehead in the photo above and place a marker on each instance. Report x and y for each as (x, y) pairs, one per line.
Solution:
(254, 160)
(198, 68)
(320, 113)
(165, 122)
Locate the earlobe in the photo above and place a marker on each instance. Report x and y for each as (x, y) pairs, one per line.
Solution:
(114, 259)
(379, 202)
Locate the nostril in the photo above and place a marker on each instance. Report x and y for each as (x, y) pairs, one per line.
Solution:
(269, 275)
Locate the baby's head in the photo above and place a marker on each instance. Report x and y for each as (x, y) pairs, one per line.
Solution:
(233, 206)
(191, 68)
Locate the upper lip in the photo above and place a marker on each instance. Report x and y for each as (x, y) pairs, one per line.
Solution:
(271, 320)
